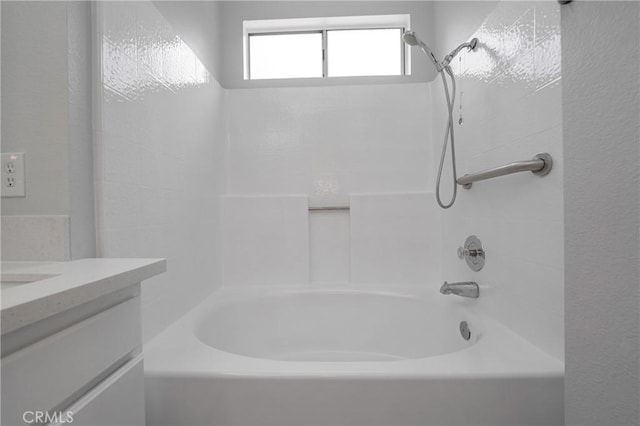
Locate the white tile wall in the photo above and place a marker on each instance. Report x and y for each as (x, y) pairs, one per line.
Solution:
(330, 246)
(395, 238)
(161, 166)
(511, 109)
(159, 149)
(265, 240)
(329, 142)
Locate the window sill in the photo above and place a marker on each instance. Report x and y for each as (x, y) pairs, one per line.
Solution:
(327, 81)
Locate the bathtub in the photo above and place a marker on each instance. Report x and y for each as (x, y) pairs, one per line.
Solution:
(346, 355)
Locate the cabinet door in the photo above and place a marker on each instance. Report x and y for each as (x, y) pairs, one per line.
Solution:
(44, 375)
(116, 401)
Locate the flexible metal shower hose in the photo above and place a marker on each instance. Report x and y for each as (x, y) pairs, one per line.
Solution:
(448, 135)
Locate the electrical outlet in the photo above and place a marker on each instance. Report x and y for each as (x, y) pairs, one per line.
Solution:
(13, 184)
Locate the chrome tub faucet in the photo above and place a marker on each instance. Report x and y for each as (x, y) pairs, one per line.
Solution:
(464, 289)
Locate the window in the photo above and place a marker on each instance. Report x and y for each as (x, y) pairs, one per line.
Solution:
(365, 52)
(326, 47)
(295, 55)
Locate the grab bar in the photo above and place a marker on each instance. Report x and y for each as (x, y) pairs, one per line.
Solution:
(540, 165)
(328, 208)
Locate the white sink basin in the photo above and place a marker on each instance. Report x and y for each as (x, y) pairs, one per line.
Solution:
(14, 280)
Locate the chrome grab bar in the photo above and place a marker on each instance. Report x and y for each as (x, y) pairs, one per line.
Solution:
(540, 165)
(328, 208)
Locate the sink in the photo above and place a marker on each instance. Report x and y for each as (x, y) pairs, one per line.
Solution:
(16, 279)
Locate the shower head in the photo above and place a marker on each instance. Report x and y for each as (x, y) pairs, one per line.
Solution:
(412, 39)
(470, 45)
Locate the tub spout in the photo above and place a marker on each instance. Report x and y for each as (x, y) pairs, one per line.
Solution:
(464, 289)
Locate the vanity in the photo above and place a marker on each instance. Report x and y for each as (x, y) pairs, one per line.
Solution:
(72, 341)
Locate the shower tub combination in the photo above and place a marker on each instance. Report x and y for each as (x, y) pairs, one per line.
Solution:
(346, 355)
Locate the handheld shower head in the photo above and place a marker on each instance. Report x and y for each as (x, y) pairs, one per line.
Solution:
(412, 39)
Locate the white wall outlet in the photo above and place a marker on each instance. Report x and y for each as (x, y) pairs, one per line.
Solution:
(13, 184)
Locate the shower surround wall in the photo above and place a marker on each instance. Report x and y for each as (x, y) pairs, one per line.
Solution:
(361, 145)
(511, 110)
(159, 146)
(329, 142)
(274, 151)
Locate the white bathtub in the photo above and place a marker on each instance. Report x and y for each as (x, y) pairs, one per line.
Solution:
(346, 356)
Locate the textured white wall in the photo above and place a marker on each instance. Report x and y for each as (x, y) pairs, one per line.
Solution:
(601, 101)
(159, 146)
(456, 21)
(47, 114)
(511, 108)
(199, 25)
(35, 103)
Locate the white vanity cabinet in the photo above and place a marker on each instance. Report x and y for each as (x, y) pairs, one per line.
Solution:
(80, 366)
(118, 400)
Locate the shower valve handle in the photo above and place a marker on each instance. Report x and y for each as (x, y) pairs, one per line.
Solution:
(462, 252)
(473, 253)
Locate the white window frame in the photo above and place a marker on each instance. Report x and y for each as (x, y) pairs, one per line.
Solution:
(322, 25)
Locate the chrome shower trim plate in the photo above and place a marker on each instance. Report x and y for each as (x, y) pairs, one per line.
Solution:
(473, 253)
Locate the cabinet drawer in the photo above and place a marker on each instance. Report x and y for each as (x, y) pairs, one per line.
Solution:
(42, 376)
(118, 400)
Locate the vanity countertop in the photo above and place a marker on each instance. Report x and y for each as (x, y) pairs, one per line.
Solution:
(59, 286)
